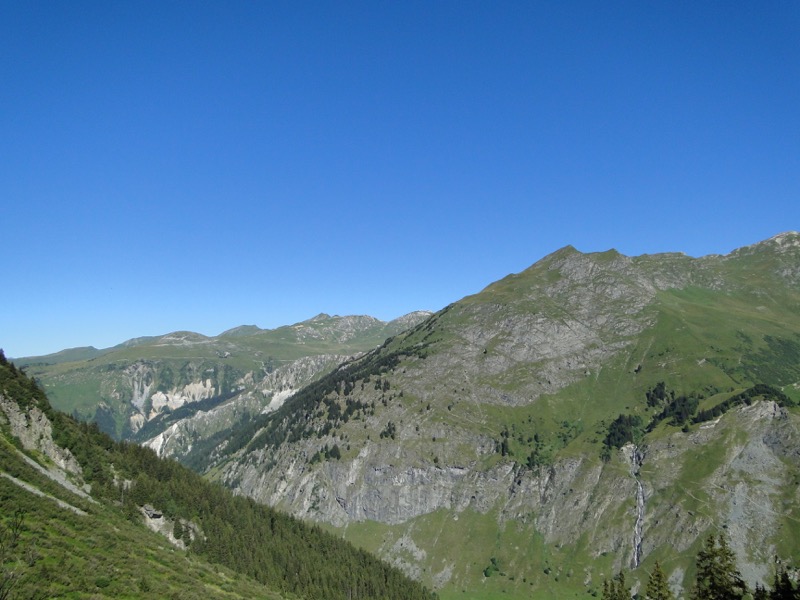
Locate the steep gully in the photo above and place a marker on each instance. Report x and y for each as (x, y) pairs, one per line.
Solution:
(636, 463)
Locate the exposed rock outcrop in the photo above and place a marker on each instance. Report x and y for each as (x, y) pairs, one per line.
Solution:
(35, 432)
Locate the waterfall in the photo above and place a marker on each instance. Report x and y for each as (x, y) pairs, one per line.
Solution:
(636, 459)
(637, 530)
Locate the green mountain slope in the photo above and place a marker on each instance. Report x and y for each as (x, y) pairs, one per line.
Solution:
(125, 387)
(593, 413)
(80, 514)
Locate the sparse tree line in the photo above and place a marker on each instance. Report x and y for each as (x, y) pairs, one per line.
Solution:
(294, 420)
(534, 449)
(717, 578)
(681, 411)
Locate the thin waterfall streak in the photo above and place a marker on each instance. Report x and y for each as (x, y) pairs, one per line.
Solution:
(637, 533)
(639, 525)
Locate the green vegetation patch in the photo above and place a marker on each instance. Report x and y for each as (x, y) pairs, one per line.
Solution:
(253, 541)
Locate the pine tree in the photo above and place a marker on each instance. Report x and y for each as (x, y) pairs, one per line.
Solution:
(616, 588)
(187, 534)
(657, 587)
(717, 576)
(177, 529)
(783, 588)
(760, 593)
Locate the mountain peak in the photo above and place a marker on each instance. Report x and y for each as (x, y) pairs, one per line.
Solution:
(787, 239)
(781, 243)
(241, 330)
(413, 317)
(568, 250)
(320, 317)
(182, 338)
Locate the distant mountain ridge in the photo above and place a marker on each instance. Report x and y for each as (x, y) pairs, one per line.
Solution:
(323, 322)
(132, 383)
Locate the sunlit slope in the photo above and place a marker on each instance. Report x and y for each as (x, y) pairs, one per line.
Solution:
(519, 423)
(84, 516)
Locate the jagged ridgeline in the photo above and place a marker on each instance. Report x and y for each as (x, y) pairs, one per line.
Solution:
(594, 413)
(75, 504)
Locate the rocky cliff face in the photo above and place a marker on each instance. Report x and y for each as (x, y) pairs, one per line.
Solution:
(141, 381)
(577, 497)
(264, 396)
(492, 414)
(35, 432)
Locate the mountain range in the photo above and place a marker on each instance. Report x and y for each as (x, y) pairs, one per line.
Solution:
(595, 413)
(142, 382)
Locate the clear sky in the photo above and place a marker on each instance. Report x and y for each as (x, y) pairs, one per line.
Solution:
(202, 165)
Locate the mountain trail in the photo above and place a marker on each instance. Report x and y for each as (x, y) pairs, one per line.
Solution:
(34, 490)
(57, 476)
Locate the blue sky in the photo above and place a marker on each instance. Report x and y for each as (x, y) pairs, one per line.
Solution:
(201, 165)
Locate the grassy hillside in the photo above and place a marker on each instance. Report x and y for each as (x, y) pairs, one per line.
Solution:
(74, 545)
(100, 554)
(519, 423)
